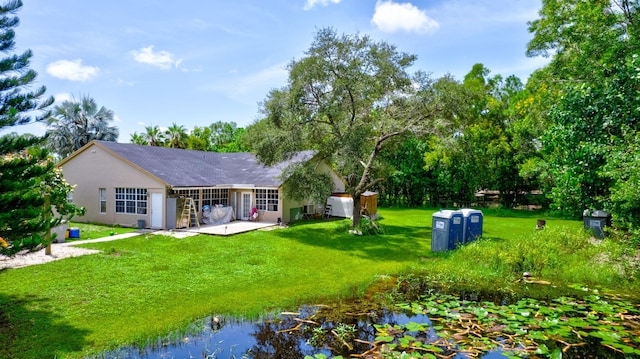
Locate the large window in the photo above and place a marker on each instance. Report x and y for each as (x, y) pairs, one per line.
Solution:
(131, 200)
(103, 200)
(210, 196)
(267, 200)
(214, 196)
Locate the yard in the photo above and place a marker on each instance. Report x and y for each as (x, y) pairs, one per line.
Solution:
(147, 286)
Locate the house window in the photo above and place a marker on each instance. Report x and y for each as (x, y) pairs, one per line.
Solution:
(191, 193)
(267, 200)
(103, 200)
(131, 200)
(215, 196)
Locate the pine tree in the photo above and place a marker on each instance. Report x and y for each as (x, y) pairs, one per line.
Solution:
(28, 177)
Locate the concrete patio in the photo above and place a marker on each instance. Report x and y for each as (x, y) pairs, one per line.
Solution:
(231, 228)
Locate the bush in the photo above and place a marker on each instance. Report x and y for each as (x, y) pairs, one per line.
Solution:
(366, 227)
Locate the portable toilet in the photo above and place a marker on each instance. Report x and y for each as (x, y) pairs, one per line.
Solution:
(446, 230)
(472, 224)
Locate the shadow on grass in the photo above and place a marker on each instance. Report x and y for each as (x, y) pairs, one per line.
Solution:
(398, 243)
(28, 333)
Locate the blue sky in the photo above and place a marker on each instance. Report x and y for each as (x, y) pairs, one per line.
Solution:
(197, 62)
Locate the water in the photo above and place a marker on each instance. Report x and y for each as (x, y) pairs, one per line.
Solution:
(282, 336)
(342, 328)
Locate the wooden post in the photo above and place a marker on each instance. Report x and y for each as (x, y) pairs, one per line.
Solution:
(47, 218)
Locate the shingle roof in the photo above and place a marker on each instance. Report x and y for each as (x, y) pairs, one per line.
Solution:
(188, 168)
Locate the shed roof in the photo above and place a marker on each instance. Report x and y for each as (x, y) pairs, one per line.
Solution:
(189, 168)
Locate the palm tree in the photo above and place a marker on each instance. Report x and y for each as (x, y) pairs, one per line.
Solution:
(138, 139)
(153, 136)
(176, 136)
(74, 123)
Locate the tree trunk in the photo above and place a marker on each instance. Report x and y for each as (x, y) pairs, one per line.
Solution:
(356, 211)
(47, 218)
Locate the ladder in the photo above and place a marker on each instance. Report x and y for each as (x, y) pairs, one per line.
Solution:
(189, 216)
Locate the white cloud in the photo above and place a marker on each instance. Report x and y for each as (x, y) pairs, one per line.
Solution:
(162, 59)
(62, 97)
(394, 17)
(310, 4)
(72, 70)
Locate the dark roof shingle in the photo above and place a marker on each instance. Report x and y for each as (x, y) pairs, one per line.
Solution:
(188, 168)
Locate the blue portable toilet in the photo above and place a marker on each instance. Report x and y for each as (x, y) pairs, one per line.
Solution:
(446, 230)
(472, 226)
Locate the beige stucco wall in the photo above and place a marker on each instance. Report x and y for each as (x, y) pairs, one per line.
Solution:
(96, 168)
(289, 204)
(264, 216)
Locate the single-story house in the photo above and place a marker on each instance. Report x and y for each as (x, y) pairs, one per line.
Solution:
(130, 185)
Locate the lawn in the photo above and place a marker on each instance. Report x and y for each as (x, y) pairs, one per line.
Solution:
(93, 231)
(150, 285)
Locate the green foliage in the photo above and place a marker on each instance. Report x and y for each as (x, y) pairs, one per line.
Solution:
(366, 227)
(75, 123)
(347, 99)
(407, 181)
(369, 227)
(28, 178)
(593, 84)
(17, 104)
(557, 254)
(175, 136)
(217, 137)
(486, 149)
(30, 189)
(526, 327)
(303, 181)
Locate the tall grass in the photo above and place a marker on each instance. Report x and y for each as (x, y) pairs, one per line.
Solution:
(560, 255)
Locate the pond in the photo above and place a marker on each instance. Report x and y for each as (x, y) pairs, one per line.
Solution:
(429, 325)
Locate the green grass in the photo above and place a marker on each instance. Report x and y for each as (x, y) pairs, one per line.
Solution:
(147, 286)
(94, 231)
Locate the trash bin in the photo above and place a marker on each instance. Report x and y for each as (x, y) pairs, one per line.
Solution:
(595, 221)
(74, 232)
(141, 224)
(446, 230)
(472, 224)
(60, 232)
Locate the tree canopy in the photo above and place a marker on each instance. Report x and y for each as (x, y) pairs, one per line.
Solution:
(217, 137)
(592, 105)
(30, 186)
(74, 123)
(347, 99)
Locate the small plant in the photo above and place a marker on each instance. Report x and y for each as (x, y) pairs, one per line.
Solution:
(344, 331)
(370, 227)
(317, 337)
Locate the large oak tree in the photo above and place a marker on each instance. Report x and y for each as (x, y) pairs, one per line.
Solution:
(347, 99)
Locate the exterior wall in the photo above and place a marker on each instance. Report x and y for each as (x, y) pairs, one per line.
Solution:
(95, 168)
(338, 185)
(297, 207)
(264, 216)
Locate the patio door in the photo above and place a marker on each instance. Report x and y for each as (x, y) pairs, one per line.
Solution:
(245, 205)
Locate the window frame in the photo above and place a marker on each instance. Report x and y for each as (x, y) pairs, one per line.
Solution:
(130, 200)
(102, 198)
(267, 199)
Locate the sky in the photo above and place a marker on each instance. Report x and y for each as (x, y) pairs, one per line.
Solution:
(193, 63)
